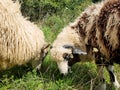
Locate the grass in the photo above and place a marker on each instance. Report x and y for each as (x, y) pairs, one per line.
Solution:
(84, 75)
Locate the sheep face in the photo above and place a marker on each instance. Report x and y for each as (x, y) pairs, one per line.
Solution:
(57, 54)
(69, 59)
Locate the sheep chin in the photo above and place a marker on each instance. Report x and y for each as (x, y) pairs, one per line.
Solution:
(63, 67)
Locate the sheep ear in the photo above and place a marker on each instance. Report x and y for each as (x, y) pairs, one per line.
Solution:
(78, 51)
(75, 50)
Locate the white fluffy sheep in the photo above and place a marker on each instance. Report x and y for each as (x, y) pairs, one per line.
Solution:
(98, 32)
(21, 41)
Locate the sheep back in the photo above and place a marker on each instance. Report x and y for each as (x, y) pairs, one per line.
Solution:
(108, 28)
(20, 40)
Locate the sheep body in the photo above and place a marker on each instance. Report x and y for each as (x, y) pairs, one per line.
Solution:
(98, 32)
(70, 35)
(108, 25)
(20, 40)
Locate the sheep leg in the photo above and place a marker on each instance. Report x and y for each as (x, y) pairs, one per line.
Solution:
(113, 78)
(101, 77)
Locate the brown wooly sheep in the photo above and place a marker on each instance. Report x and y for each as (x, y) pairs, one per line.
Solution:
(68, 43)
(98, 28)
(20, 40)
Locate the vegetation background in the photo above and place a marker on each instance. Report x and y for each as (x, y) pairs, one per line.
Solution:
(51, 16)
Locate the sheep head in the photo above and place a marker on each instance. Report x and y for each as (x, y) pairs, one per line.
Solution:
(70, 58)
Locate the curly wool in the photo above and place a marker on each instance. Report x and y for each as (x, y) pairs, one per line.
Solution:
(71, 35)
(98, 27)
(108, 25)
(20, 39)
(68, 36)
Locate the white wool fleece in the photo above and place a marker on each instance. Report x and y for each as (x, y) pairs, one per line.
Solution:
(68, 36)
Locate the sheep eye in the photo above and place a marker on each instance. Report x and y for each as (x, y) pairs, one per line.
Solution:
(67, 56)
